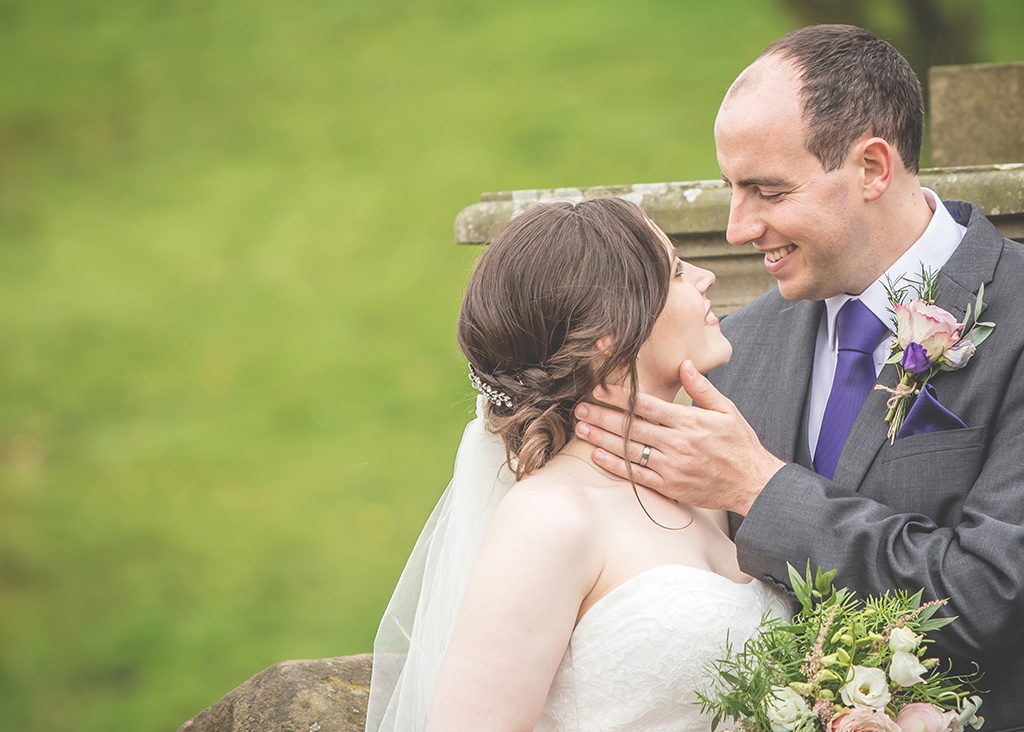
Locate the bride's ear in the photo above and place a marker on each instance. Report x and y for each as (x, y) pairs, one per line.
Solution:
(605, 344)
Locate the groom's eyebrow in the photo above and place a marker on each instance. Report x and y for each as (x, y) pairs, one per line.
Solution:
(761, 182)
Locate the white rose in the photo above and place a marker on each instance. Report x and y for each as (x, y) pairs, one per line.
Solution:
(906, 669)
(903, 640)
(865, 687)
(787, 710)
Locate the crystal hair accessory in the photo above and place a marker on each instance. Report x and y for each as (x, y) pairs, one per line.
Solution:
(495, 397)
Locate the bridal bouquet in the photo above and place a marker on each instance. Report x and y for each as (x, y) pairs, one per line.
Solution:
(842, 665)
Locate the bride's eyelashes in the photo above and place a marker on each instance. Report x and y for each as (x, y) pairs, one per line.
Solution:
(680, 268)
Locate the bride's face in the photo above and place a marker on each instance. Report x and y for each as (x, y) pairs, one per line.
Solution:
(686, 329)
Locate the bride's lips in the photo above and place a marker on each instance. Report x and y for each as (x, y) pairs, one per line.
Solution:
(709, 317)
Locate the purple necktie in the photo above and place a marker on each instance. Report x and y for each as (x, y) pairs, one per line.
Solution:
(859, 333)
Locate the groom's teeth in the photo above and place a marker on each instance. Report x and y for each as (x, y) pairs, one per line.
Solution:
(776, 254)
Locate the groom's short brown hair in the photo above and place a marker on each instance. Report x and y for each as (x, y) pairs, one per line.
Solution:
(854, 83)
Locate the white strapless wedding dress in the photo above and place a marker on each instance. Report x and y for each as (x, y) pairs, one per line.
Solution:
(638, 657)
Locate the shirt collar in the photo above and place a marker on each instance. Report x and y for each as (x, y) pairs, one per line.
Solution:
(931, 251)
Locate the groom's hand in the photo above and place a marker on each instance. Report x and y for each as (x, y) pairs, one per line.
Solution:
(705, 456)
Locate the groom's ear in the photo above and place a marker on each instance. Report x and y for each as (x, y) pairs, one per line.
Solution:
(876, 159)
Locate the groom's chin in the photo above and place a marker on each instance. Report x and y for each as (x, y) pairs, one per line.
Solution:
(789, 292)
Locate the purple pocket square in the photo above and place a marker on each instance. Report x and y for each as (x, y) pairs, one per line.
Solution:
(927, 415)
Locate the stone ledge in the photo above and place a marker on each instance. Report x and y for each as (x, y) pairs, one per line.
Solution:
(325, 695)
(697, 211)
(694, 214)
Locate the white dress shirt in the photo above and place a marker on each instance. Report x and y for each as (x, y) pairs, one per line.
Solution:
(932, 251)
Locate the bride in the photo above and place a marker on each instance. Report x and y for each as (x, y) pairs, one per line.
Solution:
(544, 592)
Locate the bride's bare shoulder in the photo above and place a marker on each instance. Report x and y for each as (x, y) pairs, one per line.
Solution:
(549, 507)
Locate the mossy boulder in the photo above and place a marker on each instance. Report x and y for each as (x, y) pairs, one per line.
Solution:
(324, 695)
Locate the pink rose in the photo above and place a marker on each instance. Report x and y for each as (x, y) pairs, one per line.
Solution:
(862, 719)
(922, 717)
(931, 327)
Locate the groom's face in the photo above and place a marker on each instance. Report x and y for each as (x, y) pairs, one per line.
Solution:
(807, 222)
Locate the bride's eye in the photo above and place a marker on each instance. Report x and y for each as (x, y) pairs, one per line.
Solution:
(680, 268)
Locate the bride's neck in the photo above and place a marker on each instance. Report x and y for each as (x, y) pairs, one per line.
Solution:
(665, 392)
(583, 451)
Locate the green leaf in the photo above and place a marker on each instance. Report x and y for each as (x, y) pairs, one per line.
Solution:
(928, 612)
(792, 629)
(915, 599)
(929, 625)
(979, 333)
(800, 588)
(979, 304)
(896, 357)
(823, 581)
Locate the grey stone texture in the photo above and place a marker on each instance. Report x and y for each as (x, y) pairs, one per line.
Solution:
(325, 695)
(695, 213)
(977, 114)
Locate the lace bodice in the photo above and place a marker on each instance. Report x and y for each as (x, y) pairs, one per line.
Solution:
(638, 657)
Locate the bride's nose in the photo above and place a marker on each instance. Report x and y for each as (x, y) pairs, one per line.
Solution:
(704, 279)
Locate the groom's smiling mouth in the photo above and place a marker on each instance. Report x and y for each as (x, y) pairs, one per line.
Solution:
(774, 255)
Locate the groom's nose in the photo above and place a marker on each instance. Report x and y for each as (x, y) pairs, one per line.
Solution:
(745, 223)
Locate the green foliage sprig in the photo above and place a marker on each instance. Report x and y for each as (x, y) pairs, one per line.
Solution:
(816, 653)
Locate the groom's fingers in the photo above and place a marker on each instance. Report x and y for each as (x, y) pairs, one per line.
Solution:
(612, 443)
(650, 408)
(615, 464)
(609, 425)
(702, 391)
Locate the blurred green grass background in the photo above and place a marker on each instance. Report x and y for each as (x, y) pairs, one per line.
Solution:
(229, 388)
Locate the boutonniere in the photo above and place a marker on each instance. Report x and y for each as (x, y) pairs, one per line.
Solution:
(928, 340)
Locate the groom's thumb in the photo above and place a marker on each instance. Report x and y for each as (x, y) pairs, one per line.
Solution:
(701, 390)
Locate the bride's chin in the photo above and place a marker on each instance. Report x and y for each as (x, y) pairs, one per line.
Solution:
(721, 354)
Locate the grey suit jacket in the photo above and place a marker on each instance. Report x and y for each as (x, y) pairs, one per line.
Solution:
(941, 511)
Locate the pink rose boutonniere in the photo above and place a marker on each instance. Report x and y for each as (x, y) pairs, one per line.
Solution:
(928, 340)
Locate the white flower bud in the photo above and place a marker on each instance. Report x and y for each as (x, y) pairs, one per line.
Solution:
(903, 640)
(906, 669)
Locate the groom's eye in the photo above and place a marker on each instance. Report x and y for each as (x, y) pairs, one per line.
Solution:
(769, 196)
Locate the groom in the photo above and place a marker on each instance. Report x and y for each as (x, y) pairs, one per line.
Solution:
(819, 141)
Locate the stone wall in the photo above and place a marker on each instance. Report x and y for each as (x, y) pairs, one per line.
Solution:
(976, 114)
(694, 214)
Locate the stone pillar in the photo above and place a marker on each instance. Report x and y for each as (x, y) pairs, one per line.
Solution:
(977, 114)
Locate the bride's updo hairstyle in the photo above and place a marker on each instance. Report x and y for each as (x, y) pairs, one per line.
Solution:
(558, 278)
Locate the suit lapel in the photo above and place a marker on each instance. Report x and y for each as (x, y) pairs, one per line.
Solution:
(794, 356)
(972, 264)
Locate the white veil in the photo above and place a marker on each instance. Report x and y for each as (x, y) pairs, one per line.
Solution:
(418, 622)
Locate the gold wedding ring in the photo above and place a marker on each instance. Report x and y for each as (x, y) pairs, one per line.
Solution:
(645, 455)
